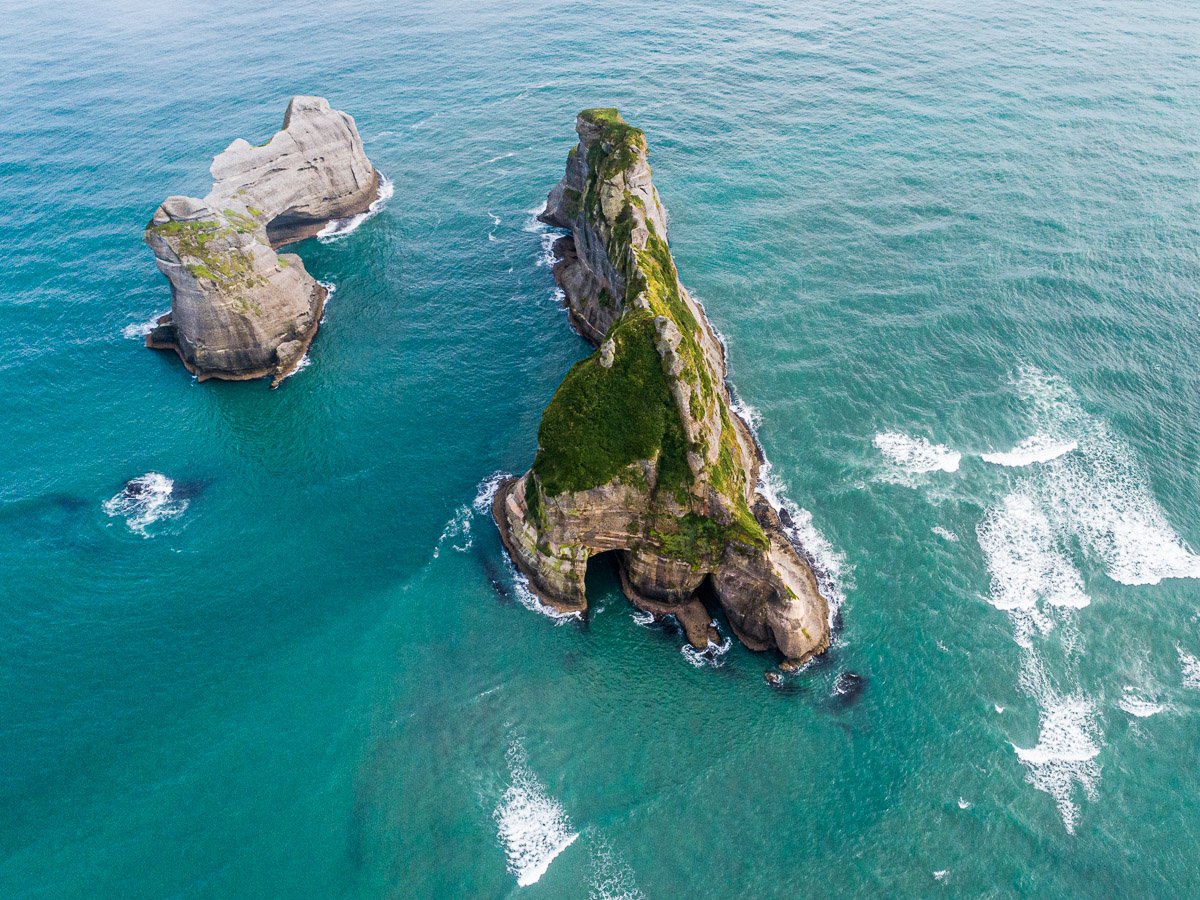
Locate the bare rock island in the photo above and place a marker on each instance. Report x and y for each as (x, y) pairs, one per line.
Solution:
(640, 451)
(239, 310)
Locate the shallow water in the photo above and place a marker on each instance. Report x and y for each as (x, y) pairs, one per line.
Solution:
(307, 669)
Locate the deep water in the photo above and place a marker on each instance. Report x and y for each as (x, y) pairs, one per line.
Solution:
(298, 665)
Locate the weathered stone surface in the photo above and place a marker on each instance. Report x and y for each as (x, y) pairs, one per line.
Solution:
(239, 310)
(640, 450)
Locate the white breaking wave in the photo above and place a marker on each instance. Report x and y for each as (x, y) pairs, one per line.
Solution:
(963, 803)
(457, 529)
(1099, 494)
(828, 564)
(1138, 706)
(528, 599)
(1104, 500)
(330, 290)
(459, 526)
(1036, 449)
(945, 534)
(712, 655)
(941, 874)
(1190, 667)
(305, 362)
(643, 618)
(1064, 758)
(532, 826)
(136, 330)
(533, 224)
(916, 455)
(339, 228)
(547, 258)
(1024, 558)
(485, 491)
(145, 500)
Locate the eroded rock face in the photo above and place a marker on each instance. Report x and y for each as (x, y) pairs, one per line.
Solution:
(640, 450)
(239, 310)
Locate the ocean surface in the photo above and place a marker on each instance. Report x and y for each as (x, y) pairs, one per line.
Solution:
(954, 248)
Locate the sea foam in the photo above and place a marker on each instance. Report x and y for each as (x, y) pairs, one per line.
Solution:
(533, 827)
(1189, 666)
(138, 330)
(339, 228)
(713, 655)
(1024, 558)
(916, 455)
(1064, 758)
(144, 501)
(612, 878)
(458, 529)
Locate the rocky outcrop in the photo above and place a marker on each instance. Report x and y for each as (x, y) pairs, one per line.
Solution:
(640, 451)
(239, 310)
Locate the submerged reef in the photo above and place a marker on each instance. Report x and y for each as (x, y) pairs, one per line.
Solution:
(640, 451)
(239, 310)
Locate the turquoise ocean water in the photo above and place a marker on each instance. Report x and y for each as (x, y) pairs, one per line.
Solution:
(930, 230)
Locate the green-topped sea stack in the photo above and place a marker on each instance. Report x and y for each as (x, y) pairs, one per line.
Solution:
(640, 451)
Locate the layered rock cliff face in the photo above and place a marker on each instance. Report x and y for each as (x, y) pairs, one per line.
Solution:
(239, 310)
(639, 451)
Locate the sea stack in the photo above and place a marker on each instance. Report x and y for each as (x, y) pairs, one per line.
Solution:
(640, 451)
(239, 310)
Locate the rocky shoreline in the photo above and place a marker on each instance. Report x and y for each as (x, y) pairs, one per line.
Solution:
(239, 310)
(640, 450)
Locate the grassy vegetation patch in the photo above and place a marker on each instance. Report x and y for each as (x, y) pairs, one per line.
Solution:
(602, 420)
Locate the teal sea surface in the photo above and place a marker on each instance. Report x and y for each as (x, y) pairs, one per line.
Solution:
(954, 248)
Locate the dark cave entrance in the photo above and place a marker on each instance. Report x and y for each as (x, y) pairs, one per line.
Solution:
(603, 578)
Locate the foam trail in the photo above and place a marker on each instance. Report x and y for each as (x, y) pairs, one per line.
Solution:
(916, 455)
(1036, 449)
(1100, 494)
(532, 826)
(339, 228)
(459, 526)
(1067, 746)
(1103, 499)
(144, 501)
(612, 878)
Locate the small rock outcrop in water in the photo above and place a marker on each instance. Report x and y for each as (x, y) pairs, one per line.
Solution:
(239, 310)
(640, 451)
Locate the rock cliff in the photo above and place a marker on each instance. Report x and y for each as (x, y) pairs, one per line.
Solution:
(640, 451)
(239, 310)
